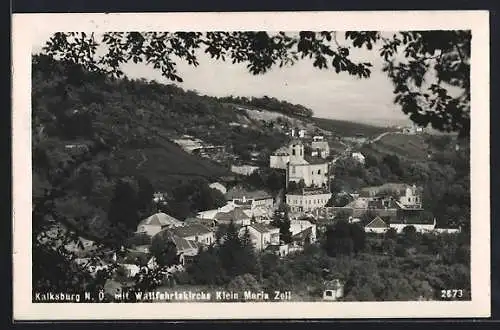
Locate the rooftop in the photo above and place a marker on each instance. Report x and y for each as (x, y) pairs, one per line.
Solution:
(236, 214)
(192, 229)
(303, 234)
(377, 222)
(263, 228)
(161, 219)
(239, 192)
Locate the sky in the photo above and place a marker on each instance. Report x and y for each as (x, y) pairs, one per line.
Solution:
(328, 94)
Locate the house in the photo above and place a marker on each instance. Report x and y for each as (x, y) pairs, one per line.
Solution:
(210, 214)
(155, 223)
(333, 290)
(320, 147)
(244, 169)
(307, 200)
(237, 216)
(405, 195)
(303, 227)
(280, 158)
(241, 196)
(195, 232)
(80, 246)
(133, 260)
(298, 132)
(359, 157)
(280, 250)
(447, 230)
(218, 186)
(421, 224)
(307, 235)
(186, 249)
(262, 235)
(259, 213)
(377, 225)
(91, 265)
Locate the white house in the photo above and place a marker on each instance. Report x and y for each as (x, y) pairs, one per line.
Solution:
(406, 196)
(447, 230)
(377, 225)
(210, 214)
(244, 169)
(155, 223)
(320, 147)
(307, 202)
(421, 226)
(359, 157)
(218, 186)
(280, 158)
(299, 226)
(262, 235)
(252, 198)
(237, 216)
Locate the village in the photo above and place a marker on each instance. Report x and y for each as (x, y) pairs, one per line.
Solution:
(309, 166)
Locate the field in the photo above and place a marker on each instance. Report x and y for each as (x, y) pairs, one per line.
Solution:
(408, 146)
(166, 165)
(347, 128)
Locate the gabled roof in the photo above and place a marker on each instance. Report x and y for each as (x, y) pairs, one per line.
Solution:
(236, 214)
(161, 219)
(132, 257)
(238, 192)
(358, 204)
(192, 229)
(263, 228)
(377, 222)
(181, 244)
(303, 234)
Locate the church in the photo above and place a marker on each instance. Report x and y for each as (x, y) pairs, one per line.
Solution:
(313, 171)
(310, 174)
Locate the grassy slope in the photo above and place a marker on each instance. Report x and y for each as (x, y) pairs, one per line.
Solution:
(347, 128)
(406, 146)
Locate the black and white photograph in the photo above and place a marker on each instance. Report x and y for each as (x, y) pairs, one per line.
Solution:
(279, 165)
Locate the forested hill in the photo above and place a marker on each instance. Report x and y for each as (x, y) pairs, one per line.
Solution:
(97, 140)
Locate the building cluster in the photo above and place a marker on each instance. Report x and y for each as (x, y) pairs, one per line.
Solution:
(308, 166)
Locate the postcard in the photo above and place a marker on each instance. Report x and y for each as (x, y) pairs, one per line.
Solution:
(274, 165)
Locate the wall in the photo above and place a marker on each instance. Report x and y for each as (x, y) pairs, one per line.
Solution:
(300, 203)
(419, 228)
(376, 230)
(151, 230)
(207, 238)
(309, 173)
(244, 169)
(411, 198)
(278, 161)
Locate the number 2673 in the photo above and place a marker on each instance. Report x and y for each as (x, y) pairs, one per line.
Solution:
(452, 293)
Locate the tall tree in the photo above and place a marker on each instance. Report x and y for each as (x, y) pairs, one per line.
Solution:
(281, 220)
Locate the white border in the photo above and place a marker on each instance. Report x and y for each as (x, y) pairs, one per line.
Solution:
(23, 26)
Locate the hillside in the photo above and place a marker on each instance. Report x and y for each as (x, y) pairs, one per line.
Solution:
(347, 128)
(414, 147)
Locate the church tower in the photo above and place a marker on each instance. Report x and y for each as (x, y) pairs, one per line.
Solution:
(296, 151)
